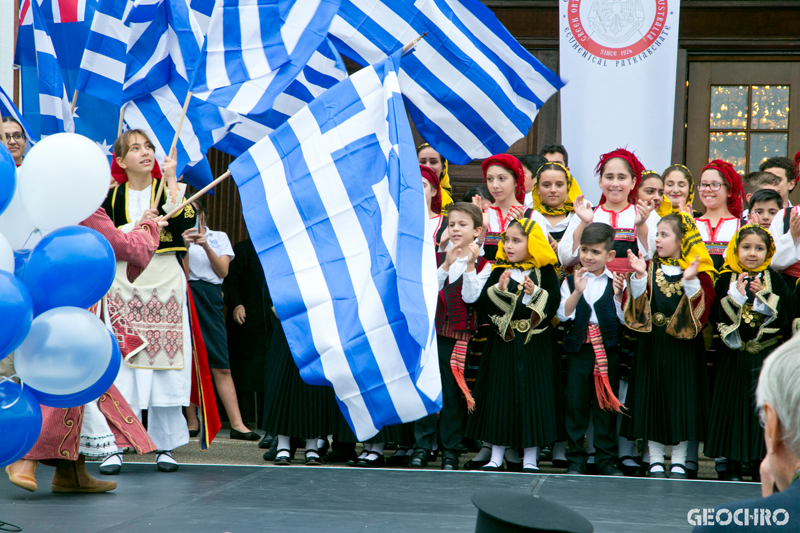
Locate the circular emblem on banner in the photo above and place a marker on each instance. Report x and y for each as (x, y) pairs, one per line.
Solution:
(617, 28)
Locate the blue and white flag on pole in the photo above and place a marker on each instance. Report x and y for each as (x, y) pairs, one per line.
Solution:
(255, 48)
(470, 87)
(334, 204)
(54, 104)
(8, 109)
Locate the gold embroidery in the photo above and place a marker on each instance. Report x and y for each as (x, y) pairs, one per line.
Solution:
(188, 211)
(165, 236)
(70, 423)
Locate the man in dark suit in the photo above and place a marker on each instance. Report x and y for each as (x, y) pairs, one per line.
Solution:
(778, 401)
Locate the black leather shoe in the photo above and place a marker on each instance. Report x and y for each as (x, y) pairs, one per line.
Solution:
(513, 466)
(657, 475)
(419, 459)
(313, 459)
(734, 471)
(691, 469)
(194, 432)
(531, 470)
(491, 467)
(576, 469)
(449, 460)
(560, 463)
(372, 460)
(472, 464)
(249, 436)
(399, 460)
(608, 469)
(629, 471)
(283, 459)
(339, 456)
(266, 442)
(165, 465)
(678, 471)
(113, 468)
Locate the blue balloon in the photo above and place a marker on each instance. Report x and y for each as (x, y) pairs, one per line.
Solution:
(20, 260)
(8, 177)
(20, 423)
(91, 393)
(16, 308)
(72, 266)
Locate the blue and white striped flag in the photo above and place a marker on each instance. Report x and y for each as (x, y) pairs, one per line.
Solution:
(255, 48)
(8, 109)
(102, 70)
(54, 104)
(470, 87)
(323, 198)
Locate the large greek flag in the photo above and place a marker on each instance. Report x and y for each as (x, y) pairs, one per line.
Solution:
(470, 87)
(334, 205)
(255, 48)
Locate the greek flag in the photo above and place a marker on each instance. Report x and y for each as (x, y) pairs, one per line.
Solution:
(102, 70)
(255, 48)
(8, 109)
(470, 87)
(323, 198)
(54, 105)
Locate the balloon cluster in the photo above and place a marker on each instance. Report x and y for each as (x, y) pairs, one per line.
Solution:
(51, 271)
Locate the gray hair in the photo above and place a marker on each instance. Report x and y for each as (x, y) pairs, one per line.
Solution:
(779, 384)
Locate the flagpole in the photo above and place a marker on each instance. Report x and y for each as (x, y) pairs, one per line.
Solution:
(198, 194)
(74, 101)
(413, 43)
(157, 197)
(121, 116)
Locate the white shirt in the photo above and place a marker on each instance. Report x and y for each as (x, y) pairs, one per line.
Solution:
(528, 199)
(723, 233)
(561, 225)
(199, 264)
(787, 251)
(638, 286)
(139, 202)
(473, 282)
(733, 339)
(595, 288)
(519, 276)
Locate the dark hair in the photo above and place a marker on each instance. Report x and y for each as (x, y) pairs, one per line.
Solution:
(599, 233)
(478, 190)
(552, 166)
(532, 162)
(680, 168)
(677, 225)
(755, 230)
(15, 121)
(779, 162)
(469, 209)
(647, 174)
(765, 195)
(555, 149)
(201, 206)
(755, 180)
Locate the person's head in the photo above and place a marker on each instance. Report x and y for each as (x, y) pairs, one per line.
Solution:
(515, 243)
(15, 140)
(597, 247)
(783, 167)
(669, 234)
(552, 183)
(201, 207)
(530, 164)
(134, 153)
(430, 186)
(778, 403)
(504, 178)
(556, 153)
(721, 188)
(765, 203)
(753, 245)
(651, 190)
(620, 173)
(479, 190)
(678, 184)
(755, 181)
(464, 222)
(429, 157)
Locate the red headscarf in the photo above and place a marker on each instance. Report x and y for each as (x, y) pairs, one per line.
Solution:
(796, 166)
(433, 179)
(512, 164)
(634, 163)
(734, 181)
(118, 173)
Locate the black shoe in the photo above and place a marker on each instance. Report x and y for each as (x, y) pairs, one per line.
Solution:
(248, 436)
(691, 469)
(399, 460)
(194, 432)
(608, 469)
(491, 467)
(576, 469)
(372, 460)
(472, 464)
(591, 469)
(165, 461)
(339, 456)
(531, 470)
(325, 447)
(283, 460)
(657, 475)
(432, 455)
(546, 453)
(512, 466)
(111, 469)
(678, 474)
(419, 459)
(313, 460)
(449, 460)
(266, 442)
(722, 470)
(560, 463)
(629, 471)
(734, 471)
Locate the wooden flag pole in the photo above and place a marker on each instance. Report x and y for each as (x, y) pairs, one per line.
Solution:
(74, 101)
(411, 45)
(198, 194)
(163, 180)
(121, 116)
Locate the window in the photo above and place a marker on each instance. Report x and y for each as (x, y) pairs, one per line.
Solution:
(748, 124)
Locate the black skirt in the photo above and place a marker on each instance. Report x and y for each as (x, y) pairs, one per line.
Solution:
(208, 303)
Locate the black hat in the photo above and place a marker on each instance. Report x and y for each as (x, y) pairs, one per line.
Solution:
(510, 510)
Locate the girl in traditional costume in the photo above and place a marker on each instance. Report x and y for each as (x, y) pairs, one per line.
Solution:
(651, 191)
(667, 302)
(515, 403)
(437, 221)
(553, 195)
(428, 157)
(722, 195)
(679, 188)
(753, 307)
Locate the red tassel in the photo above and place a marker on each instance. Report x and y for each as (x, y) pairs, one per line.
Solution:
(458, 373)
(605, 396)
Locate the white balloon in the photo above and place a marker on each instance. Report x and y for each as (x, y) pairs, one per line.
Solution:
(16, 225)
(64, 179)
(6, 255)
(67, 350)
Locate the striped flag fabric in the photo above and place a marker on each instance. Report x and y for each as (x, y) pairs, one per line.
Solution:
(470, 87)
(323, 197)
(102, 70)
(54, 105)
(8, 109)
(255, 48)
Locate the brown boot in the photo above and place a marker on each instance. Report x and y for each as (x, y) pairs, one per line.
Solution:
(71, 476)
(23, 474)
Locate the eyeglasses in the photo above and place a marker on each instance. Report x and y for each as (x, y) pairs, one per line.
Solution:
(714, 186)
(17, 136)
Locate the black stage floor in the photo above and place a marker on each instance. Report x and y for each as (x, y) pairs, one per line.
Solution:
(200, 498)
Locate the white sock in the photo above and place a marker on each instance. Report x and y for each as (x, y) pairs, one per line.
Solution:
(530, 459)
(378, 448)
(311, 444)
(646, 455)
(679, 455)
(497, 456)
(401, 451)
(321, 443)
(512, 455)
(113, 459)
(626, 448)
(560, 451)
(656, 455)
(367, 447)
(590, 460)
(484, 454)
(284, 443)
(165, 457)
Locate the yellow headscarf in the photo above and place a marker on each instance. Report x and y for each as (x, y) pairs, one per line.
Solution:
(692, 187)
(692, 246)
(538, 248)
(732, 263)
(573, 191)
(665, 208)
(444, 180)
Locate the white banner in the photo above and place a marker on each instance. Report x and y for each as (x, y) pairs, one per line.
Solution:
(619, 60)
